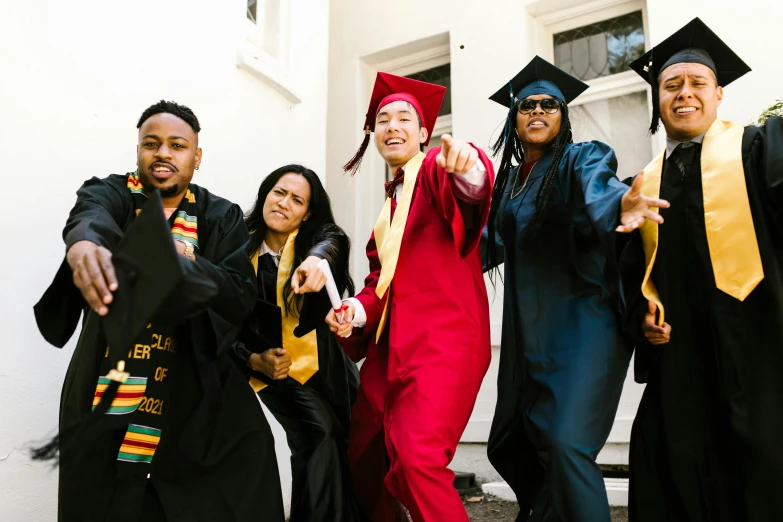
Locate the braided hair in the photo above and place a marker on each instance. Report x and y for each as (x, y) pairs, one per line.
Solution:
(509, 146)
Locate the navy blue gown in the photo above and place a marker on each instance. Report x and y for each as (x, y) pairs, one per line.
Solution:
(563, 356)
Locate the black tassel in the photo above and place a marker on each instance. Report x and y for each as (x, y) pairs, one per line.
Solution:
(80, 434)
(48, 452)
(656, 110)
(353, 165)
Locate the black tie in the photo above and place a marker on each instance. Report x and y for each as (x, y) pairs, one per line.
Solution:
(684, 155)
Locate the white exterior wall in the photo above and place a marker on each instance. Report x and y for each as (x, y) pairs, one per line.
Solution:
(74, 78)
(499, 38)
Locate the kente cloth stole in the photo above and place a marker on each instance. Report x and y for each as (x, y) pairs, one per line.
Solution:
(731, 236)
(152, 361)
(185, 227)
(388, 234)
(303, 350)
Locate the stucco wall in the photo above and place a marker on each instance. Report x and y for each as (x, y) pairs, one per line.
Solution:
(74, 78)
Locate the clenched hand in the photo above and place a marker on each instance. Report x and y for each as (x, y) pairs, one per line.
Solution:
(273, 363)
(657, 335)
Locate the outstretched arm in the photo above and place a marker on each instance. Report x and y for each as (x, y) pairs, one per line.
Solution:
(460, 195)
(86, 275)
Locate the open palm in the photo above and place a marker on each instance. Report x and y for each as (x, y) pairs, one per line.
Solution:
(636, 207)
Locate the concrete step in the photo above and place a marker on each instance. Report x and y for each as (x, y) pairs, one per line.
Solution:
(616, 490)
(472, 458)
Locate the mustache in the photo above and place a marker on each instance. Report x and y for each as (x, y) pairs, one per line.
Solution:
(164, 163)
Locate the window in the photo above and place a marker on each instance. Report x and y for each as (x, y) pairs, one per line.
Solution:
(265, 49)
(598, 47)
(622, 123)
(266, 20)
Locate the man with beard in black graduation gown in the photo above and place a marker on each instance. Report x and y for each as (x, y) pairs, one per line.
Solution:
(704, 299)
(179, 434)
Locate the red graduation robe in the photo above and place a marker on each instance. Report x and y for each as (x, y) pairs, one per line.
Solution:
(420, 380)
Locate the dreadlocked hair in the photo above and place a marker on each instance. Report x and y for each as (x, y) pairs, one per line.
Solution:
(509, 146)
(563, 138)
(169, 107)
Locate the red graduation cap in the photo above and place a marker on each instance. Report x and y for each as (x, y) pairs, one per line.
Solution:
(425, 97)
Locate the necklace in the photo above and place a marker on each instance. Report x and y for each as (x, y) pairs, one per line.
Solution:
(523, 184)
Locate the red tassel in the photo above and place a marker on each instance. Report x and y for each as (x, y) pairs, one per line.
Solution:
(353, 165)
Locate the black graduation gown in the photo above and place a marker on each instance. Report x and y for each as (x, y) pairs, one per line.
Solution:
(706, 442)
(216, 460)
(316, 416)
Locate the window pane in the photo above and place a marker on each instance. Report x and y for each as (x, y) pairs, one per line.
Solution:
(251, 10)
(621, 123)
(439, 76)
(601, 49)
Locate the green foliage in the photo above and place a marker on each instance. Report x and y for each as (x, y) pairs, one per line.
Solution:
(776, 109)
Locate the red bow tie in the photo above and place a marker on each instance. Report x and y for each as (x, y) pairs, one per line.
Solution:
(391, 186)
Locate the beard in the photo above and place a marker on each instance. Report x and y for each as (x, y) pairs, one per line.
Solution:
(165, 192)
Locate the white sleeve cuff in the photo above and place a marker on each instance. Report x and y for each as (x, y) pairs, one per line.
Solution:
(476, 175)
(359, 315)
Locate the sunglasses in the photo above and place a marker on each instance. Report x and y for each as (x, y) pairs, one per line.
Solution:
(548, 105)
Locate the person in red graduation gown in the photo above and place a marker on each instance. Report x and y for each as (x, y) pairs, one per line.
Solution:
(422, 320)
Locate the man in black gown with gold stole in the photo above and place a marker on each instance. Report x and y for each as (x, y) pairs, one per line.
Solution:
(172, 430)
(704, 297)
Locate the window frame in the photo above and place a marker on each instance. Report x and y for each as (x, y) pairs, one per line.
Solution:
(254, 58)
(604, 87)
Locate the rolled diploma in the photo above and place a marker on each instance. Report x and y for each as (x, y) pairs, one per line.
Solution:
(331, 290)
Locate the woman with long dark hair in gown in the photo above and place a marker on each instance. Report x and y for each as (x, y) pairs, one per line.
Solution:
(563, 357)
(307, 381)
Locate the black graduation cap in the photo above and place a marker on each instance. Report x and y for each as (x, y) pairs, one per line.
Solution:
(148, 269)
(693, 43)
(539, 77)
(264, 328)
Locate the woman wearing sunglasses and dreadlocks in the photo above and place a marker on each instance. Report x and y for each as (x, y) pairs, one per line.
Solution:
(563, 358)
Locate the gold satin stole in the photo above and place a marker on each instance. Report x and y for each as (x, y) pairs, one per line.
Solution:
(303, 350)
(388, 234)
(731, 236)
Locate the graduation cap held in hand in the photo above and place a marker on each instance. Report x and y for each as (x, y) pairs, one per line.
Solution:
(264, 328)
(148, 270)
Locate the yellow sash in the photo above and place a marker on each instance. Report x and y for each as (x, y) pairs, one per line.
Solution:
(303, 350)
(388, 234)
(731, 236)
